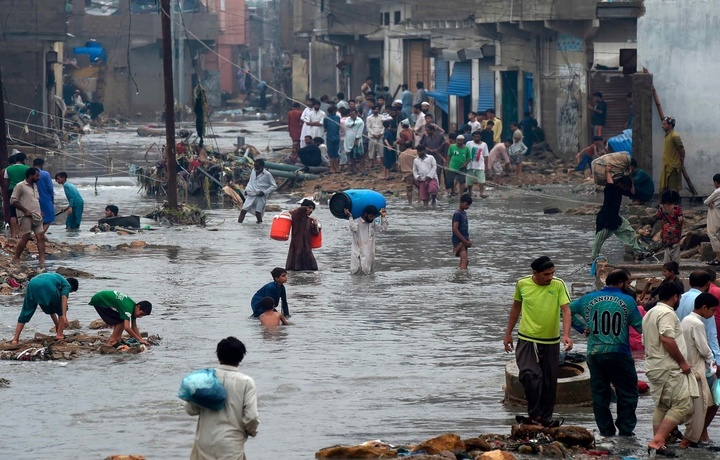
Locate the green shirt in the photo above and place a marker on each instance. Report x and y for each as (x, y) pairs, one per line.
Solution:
(458, 156)
(540, 320)
(15, 174)
(115, 300)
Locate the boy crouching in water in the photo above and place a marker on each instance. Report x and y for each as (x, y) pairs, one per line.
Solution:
(270, 317)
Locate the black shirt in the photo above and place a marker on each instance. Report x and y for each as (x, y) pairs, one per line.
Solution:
(598, 119)
(487, 137)
(310, 155)
(609, 215)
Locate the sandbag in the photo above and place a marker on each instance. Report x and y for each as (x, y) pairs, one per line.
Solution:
(203, 389)
(618, 162)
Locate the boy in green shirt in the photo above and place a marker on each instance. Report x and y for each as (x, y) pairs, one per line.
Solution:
(120, 312)
(540, 298)
(458, 158)
(51, 292)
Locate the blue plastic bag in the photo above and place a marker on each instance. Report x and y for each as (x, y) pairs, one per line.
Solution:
(716, 391)
(203, 389)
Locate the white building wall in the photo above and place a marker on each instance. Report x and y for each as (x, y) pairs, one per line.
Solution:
(678, 43)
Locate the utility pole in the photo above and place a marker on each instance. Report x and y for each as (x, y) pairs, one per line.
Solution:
(181, 61)
(169, 104)
(3, 127)
(3, 151)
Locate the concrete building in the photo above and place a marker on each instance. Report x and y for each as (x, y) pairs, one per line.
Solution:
(33, 34)
(128, 78)
(677, 43)
(539, 56)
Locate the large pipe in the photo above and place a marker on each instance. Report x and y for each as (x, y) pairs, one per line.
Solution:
(282, 166)
(298, 175)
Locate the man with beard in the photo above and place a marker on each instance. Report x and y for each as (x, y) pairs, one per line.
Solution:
(25, 198)
(673, 157)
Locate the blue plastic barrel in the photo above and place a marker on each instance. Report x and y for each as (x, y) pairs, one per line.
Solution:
(355, 201)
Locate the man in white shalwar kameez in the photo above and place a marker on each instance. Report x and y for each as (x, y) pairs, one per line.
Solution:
(313, 119)
(667, 370)
(362, 254)
(305, 127)
(700, 357)
(354, 127)
(257, 191)
(221, 435)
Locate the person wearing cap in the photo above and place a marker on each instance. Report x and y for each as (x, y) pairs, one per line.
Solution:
(538, 301)
(673, 157)
(458, 159)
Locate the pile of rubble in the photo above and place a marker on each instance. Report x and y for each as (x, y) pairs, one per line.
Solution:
(47, 348)
(563, 441)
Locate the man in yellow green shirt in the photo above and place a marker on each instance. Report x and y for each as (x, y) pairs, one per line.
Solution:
(673, 157)
(497, 128)
(539, 298)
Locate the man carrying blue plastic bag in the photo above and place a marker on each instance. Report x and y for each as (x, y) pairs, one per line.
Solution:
(222, 433)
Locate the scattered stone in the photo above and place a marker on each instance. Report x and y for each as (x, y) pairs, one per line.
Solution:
(706, 252)
(4, 383)
(568, 435)
(477, 444)
(693, 239)
(72, 325)
(589, 209)
(98, 324)
(551, 210)
(73, 273)
(273, 208)
(138, 244)
(47, 348)
(353, 452)
(496, 455)
(445, 442)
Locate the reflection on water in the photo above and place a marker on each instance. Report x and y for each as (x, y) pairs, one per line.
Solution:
(410, 352)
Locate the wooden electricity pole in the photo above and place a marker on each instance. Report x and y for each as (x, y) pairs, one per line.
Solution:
(3, 153)
(169, 104)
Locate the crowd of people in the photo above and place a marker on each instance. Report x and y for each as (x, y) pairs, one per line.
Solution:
(360, 135)
(677, 331)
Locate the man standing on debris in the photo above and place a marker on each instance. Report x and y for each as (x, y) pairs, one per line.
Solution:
(354, 127)
(598, 107)
(13, 175)
(666, 367)
(51, 292)
(606, 316)
(609, 222)
(540, 298)
(120, 312)
(313, 120)
(257, 191)
(673, 157)
(25, 198)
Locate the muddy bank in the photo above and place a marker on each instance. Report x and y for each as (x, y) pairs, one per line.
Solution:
(535, 172)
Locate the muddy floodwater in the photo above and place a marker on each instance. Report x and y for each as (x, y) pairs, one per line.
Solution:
(411, 352)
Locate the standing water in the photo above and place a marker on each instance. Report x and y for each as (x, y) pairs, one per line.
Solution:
(410, 352)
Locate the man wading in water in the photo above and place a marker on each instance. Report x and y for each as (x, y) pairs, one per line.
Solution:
(539, 298)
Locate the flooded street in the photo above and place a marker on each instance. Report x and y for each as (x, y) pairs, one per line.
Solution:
(411, 352)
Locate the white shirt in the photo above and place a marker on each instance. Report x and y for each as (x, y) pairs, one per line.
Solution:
(362, 253)
(424, 168)
(478, 154)
(313, 116)
(375, 126)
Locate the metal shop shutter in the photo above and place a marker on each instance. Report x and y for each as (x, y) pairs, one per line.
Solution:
(487, 85)
(614, 87)
(441, 84)
(460, 80)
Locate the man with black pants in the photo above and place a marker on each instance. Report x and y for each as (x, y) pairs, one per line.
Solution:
(540, 298)
(606, 316)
